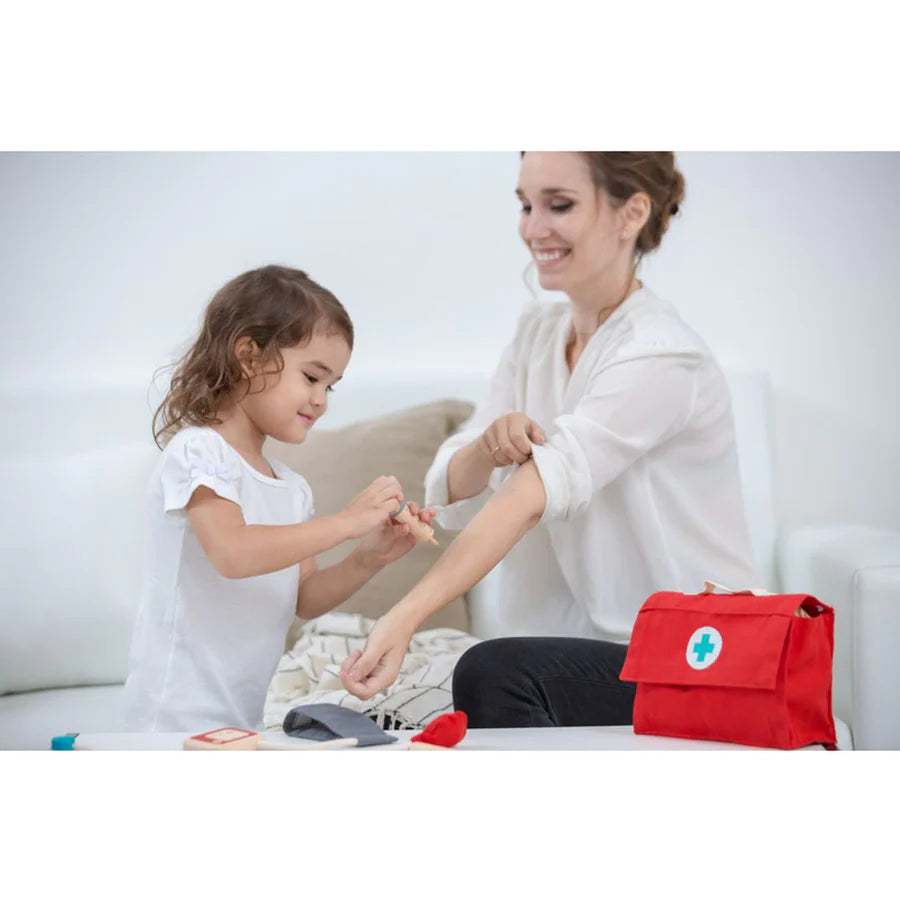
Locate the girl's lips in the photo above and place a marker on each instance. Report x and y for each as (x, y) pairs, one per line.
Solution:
(308, 419)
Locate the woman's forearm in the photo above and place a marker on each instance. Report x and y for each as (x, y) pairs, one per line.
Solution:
(514, 509)
(468, 472)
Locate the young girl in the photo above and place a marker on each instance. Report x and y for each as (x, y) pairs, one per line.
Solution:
(231, 535)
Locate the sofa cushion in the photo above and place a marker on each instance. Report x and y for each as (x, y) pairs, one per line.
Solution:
(71, 546)
(340, 463)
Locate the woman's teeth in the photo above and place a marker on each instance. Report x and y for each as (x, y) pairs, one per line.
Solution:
(549, 255)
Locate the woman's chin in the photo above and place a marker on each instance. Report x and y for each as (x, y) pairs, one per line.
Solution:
(551, 281)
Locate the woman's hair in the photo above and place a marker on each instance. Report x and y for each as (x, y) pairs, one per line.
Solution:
(622, 174)
(274, 306)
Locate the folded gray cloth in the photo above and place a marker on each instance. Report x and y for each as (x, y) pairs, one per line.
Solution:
(327, 721)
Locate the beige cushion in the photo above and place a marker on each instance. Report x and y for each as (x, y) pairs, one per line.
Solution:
(339, 464)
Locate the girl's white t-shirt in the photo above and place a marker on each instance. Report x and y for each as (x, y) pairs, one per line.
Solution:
(204, 646)
(640, 471)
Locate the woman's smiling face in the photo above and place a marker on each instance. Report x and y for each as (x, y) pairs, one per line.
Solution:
(570, 226)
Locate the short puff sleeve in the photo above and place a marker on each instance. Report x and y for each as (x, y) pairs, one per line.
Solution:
(195, 458)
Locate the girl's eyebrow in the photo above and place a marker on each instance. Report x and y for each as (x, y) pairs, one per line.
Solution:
(325, 369)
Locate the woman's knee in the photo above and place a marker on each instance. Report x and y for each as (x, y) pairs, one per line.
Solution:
(487, 663)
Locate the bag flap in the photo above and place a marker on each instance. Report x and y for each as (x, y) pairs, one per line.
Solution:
(696, 647)
(737, 604)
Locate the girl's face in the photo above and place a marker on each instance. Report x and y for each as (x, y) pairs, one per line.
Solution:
(570, 227)
(296, 397)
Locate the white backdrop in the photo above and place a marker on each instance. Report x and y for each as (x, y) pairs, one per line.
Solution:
(788, 262)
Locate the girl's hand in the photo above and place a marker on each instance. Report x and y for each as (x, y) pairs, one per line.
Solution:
(375, 668)
(373, 507)
(508, 440)
(392, 540)
(426, 513)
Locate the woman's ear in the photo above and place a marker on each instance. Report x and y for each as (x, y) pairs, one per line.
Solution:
(246, 351)
(633, 215)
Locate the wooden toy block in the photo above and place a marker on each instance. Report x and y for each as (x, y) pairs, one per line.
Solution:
(240, 739)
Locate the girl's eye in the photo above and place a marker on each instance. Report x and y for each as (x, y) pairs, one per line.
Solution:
(526, 209)
(313, 380)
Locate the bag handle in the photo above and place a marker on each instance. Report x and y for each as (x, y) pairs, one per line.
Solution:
(709, 587)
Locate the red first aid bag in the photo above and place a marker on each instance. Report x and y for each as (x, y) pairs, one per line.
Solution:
(744, 667)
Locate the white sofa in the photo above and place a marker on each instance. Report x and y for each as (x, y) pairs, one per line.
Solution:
(77, 467)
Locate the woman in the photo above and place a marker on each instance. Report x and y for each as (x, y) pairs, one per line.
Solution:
(601, 467)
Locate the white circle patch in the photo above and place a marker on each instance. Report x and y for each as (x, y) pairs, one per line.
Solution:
(703, 648)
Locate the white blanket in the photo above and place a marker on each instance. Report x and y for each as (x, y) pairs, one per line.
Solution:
(308, 673)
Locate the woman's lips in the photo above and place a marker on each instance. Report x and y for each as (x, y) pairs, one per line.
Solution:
(547, 259)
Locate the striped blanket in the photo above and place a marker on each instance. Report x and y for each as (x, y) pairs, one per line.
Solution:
(309, 673)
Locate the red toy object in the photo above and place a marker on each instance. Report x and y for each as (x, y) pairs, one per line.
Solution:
(444, 731)
(739, 668)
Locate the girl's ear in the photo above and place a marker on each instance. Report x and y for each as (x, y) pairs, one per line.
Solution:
(247, 352)
(633, 215)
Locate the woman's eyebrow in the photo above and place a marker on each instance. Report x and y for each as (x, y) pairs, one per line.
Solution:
(547, 190)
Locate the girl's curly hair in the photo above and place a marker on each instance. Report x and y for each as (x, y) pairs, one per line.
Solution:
(274, 306)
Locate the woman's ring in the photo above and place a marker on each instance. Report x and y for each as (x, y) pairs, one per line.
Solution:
(495, 449)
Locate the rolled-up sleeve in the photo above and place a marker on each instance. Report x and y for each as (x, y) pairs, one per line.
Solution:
(630, 407)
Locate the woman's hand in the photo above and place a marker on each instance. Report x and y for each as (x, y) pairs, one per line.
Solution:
(508, 440)
(373, 506)
(375, 668)
(391, 540)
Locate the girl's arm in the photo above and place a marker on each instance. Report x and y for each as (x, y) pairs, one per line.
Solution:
(239, 550)
(516, 507)
(321, 590)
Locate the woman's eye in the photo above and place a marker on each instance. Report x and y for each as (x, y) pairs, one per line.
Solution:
(556, 207)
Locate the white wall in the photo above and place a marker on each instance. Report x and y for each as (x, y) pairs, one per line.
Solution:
(785, 262)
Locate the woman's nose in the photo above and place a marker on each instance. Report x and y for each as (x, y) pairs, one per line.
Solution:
(535, 226)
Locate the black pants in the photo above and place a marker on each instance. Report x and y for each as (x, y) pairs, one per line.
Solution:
(533, 681)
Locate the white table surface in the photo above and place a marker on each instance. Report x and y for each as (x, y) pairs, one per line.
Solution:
(617, 737)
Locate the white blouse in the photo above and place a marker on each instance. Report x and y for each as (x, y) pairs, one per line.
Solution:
(204, 646)
(640, 470)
